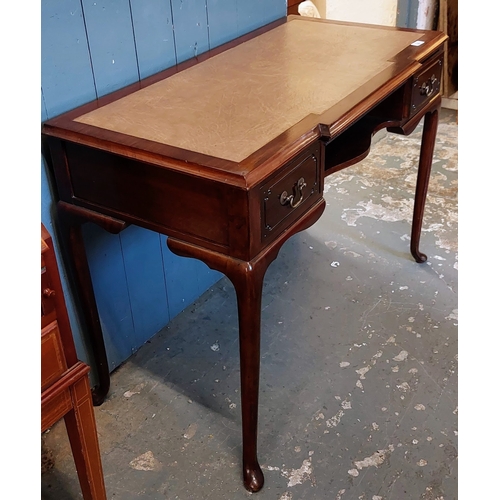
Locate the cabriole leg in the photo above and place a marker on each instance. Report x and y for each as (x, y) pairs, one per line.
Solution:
(248, 279)
(71, 219)
(248, 285)
(424, 172)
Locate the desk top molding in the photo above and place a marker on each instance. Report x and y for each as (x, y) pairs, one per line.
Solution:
(241, 126)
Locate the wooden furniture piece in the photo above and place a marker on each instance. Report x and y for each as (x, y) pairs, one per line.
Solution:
(226, 154)
(65, 382)
(448, 23)
(292, 6)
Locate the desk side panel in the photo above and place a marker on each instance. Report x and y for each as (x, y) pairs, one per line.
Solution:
(185, 206)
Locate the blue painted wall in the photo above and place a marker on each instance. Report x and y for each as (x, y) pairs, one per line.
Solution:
(90, 48)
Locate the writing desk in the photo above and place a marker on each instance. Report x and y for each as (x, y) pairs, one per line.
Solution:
(227, 153)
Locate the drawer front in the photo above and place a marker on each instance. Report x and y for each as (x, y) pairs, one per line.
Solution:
(289, 195)
(426, 85)
(53, 361)
(54, 409)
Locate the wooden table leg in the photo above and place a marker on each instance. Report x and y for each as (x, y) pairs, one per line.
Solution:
(248, 282)
(424, 171)
(248, 278)
(431, 120)
(71, 219)
(81, 428)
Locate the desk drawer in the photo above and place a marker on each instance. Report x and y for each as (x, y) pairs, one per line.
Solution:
(55, 408)
(287, 196)
(426, 85)
(53, 361)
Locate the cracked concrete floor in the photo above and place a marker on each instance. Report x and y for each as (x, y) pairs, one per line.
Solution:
(359, 361)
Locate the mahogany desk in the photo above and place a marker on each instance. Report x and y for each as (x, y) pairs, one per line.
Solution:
(226, 154)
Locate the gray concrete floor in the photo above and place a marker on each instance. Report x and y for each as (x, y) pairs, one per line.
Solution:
(359, 361)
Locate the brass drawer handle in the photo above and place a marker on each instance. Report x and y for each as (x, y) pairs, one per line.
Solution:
(297, 190)
(427, 88)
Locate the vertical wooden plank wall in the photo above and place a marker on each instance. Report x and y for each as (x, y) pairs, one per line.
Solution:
(407, 12)
(90, 48)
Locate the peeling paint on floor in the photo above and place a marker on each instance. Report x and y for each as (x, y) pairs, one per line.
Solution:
(298, 476)
(146, 462)
(375, 460)
(136, 390)
(190, 431)
(335, 420)
(402, 356)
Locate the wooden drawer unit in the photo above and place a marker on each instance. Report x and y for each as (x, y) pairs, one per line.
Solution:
(426, 85)
(288, 195)
(65, 389)
(54, 363)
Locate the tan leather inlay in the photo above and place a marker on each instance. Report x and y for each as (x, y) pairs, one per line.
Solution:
(233, 104)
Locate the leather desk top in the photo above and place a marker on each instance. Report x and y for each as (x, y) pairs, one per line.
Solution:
(233, 104)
